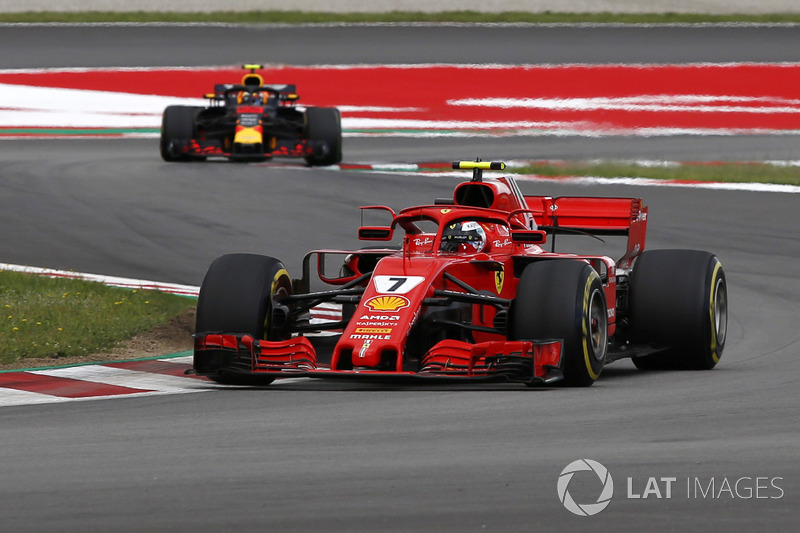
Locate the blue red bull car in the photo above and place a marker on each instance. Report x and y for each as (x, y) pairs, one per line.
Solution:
(252, 121)
(472, 292)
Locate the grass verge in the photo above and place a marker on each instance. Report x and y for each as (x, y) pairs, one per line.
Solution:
(66, 318)
(725, 172)
(301, 17)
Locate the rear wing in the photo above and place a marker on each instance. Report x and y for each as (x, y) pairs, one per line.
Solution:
(596, 216)
(285, 92)
(221, 88)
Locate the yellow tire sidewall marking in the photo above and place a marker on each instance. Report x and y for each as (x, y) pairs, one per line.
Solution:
(275, 281)
(712, 312)
(585, 318)
(281, 272)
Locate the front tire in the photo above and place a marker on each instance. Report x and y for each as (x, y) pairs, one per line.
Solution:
(564, 299)
(324, 133)
(238, 295)
(177, 129)
(679, 301)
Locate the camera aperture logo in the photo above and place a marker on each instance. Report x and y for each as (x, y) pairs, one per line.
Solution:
(585, 509)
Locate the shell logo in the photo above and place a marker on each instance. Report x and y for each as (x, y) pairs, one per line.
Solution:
(387, 303)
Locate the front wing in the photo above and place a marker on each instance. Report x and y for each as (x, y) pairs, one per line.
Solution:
(282, 148)
(530, 362)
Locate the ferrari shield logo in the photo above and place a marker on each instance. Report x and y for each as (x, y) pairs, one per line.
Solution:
(499, 276)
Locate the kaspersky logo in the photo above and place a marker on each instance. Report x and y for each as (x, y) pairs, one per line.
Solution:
(585, 509)
(387, 303)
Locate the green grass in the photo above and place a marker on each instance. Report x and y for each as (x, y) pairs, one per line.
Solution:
(58, 317)
(726, 172)
(300, 17)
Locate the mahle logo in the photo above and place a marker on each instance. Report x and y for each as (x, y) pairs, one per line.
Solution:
(585, 509)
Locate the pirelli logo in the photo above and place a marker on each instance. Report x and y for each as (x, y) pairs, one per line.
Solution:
(374, 330)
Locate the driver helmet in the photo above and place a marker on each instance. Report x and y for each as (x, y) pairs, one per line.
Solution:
(467, 236)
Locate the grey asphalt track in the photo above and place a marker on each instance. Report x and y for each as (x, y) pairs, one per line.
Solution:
(187, 45)
(358, 457)
(378, 6)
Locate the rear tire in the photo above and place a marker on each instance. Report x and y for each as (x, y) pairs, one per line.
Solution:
(564, 299)
(324, 132)
(237, 297)
(177, 129)
(679, 300)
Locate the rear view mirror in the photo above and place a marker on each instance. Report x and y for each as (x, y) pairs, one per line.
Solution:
(375, 233)
(528, 236)
(379, 231)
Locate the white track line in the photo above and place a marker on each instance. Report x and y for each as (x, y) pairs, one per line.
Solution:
(122, 377)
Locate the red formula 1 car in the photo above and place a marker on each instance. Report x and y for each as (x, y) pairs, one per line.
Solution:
(472, 293)
(252, 122)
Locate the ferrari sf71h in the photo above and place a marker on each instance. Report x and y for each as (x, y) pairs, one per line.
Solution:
(252, 122)
(472, 293)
